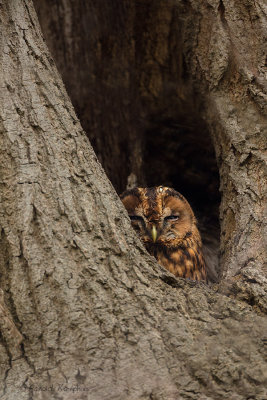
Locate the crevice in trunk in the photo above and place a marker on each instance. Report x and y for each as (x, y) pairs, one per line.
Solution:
(179, 153)
(134, 96)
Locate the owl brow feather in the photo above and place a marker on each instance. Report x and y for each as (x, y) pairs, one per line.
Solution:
(172, 192)
(130, 192)
(153, 209)
(151, 194)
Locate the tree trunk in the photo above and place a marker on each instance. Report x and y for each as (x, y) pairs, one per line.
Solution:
(175, 74)
(231, 57)
(87, 313)
(93, 47)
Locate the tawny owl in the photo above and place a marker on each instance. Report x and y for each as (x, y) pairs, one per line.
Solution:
(167, 225)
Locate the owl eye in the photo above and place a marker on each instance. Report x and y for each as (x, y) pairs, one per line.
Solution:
(136, 218)
(172, 217)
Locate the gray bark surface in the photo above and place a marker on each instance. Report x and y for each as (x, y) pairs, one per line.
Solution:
(232, 59)
(84, 304)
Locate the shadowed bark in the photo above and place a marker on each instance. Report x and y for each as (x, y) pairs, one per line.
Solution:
(98, 318)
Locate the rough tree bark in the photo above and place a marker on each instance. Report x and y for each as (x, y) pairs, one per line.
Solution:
(92, 43)
(87, 314)
(232, 59)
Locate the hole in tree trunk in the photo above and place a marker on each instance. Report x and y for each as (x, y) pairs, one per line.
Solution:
(179, 153)
(124, 72)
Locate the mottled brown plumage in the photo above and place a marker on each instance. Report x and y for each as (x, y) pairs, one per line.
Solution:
(167, 225)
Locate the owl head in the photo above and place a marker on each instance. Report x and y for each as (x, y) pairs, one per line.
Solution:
(160, 215)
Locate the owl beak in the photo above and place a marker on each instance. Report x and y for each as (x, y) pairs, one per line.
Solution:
(154, 233)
